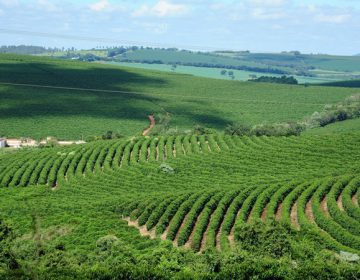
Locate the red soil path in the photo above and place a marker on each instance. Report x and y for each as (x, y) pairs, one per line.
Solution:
(293, 216)
(152, 124)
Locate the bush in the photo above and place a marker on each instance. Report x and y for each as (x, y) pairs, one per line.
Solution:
(266, 239)
(238, 129)
(106, 243)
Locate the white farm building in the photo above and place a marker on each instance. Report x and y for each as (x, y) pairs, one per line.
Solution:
(2, 143)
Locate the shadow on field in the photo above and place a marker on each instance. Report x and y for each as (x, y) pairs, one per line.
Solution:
(32, 101)
(24, 102)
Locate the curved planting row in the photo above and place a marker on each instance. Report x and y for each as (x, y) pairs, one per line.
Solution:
(51, 166)
(209, 219)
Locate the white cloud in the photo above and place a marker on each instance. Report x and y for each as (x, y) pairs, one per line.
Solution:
(100, 6)
(47, 5)
(9, 3)
(263, 14)
(340, 18)
(156, 28)
(162, 8)
(273, 3)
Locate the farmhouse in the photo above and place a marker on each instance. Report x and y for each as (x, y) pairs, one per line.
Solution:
(2, 143)
(13, 143)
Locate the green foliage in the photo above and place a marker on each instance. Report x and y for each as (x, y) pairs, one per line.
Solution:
(270, 239)
(282, 80)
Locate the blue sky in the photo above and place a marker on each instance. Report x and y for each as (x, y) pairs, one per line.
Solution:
(317, 26)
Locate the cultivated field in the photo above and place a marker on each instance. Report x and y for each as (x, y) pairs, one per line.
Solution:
(197, 192)
(93, 98)
(187, 203)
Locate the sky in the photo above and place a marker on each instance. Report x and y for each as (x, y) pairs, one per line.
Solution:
(316, 26)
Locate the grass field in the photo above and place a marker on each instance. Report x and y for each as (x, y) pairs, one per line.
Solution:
(131, 94)
(79, 200)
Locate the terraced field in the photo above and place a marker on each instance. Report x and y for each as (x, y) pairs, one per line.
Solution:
(195, 191)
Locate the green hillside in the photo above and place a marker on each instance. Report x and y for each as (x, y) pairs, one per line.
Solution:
(144, 206)
(101, 97)
(349, 84)
(298, 60)
(339, 127)
(197, 58)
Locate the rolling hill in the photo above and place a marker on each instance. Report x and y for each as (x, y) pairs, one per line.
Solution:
(72, 100)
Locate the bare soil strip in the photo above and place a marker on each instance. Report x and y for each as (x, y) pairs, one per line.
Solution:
(278, 212)
(157, 152)
(231, 235)
(293, 216)
(164, 234)
(339, 203)
(174, 150)
(355, 200)
(324, 207)
(218, 237)
(142, 229)
(203, 240)
(189, 241)
(152, 124)
(308, 211)
(264, 212)
(179, 230)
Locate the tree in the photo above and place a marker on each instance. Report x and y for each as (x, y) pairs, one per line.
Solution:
(238, 129)
(223, 72)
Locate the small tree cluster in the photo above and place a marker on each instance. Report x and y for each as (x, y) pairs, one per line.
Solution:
(349, 109)
(278, 80)
(280, 129)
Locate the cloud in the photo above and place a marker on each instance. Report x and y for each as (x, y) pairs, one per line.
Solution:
(47, 5)
(340, 18)
(271, 3)
(99, 6)
(155, 27)
(263, 14)
(162, 8)
(9, 3)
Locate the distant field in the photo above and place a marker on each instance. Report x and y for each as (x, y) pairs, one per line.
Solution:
(74, 114)
(349, 83)
(240, 75)
(307, 68)
(324, 62)
(169, 56)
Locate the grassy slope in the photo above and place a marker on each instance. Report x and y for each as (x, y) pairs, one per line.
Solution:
(39, 112)
(339, 127)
